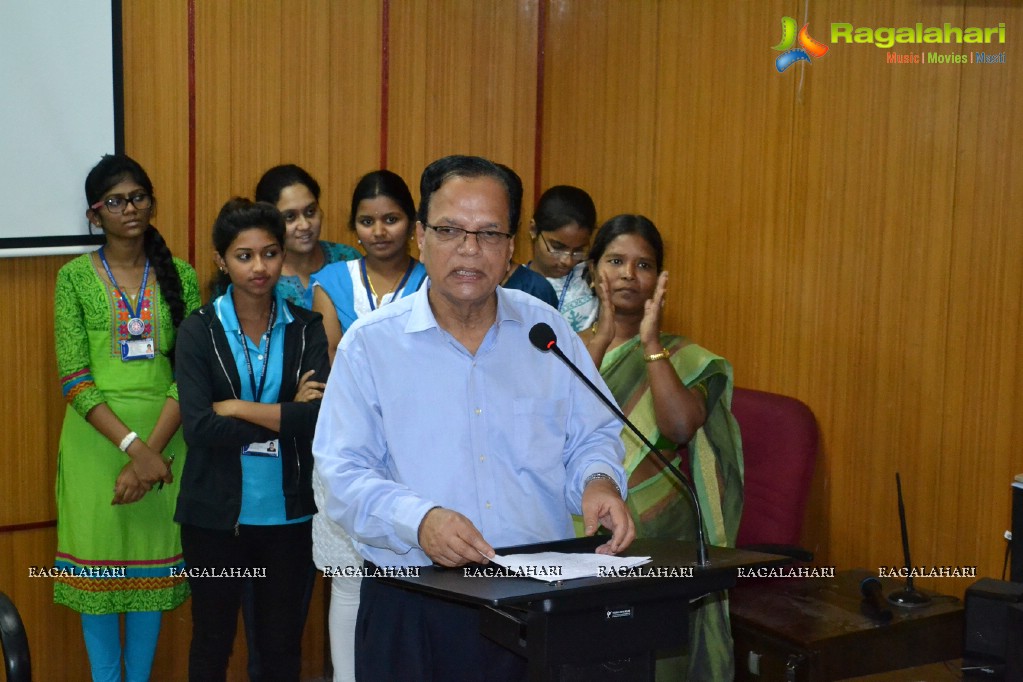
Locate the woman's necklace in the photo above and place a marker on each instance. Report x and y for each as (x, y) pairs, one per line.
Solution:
(396, 284)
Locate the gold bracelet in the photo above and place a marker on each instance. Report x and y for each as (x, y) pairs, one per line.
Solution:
(663, 355)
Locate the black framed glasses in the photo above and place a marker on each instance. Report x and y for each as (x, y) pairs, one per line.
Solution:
(578, 255)
(117, 203)
(487, 239)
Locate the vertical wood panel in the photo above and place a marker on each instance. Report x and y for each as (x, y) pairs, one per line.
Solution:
(983, 394)
(877, 206)
(156, 108)
(463, 81)
(54, 632)
(600, 101)
(352, 138)
(31, 405)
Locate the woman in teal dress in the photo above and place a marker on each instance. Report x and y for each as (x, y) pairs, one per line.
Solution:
(679, 395)
(296, 194)
(116, 316)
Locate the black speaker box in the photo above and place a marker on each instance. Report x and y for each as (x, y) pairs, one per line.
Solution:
(1014, 645)
(987, 619)
(1016, 544)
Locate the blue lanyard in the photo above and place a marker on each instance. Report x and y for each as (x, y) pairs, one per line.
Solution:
(257, 395)
(135, 324)
(564, 288)
(401, 284)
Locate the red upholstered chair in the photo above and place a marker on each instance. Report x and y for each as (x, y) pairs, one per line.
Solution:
(780, 443)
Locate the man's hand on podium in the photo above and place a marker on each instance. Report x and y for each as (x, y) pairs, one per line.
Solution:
(603, 506)
(450, 539)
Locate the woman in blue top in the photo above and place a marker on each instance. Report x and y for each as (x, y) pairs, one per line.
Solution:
(564, 219)
(297, 196)
(250, 370)
(383, 217)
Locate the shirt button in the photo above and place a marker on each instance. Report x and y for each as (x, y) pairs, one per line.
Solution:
(478, 411)
(259, 357)
(483, 457)
(488, 505)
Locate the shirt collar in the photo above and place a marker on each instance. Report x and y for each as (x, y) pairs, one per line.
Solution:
(224, 307)
(422, 318)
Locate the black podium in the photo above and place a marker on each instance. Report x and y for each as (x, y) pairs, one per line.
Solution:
(602, 628)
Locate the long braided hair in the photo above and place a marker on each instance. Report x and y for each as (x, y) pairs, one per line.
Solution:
(115, 168)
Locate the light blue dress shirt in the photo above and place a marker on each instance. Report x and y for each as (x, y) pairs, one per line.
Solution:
(410, 420)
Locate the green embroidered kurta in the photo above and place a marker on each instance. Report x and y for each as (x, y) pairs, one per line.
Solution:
(113, 559)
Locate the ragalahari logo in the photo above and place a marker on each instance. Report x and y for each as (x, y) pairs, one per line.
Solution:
(808, 47)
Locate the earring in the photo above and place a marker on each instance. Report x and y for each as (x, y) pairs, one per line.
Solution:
(359, 241)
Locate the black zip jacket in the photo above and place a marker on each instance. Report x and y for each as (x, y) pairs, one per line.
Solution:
(211, 483)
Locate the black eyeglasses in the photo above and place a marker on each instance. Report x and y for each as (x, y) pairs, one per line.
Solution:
(577, 255)
(117, 203)
(487, 239)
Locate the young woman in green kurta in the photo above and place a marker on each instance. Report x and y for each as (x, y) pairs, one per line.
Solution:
(679, 395)
(116, 315)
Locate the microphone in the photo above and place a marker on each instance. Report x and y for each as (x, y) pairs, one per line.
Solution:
(874, 604)
(544, 339)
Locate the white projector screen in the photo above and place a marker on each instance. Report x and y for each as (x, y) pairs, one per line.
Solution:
(60, 111)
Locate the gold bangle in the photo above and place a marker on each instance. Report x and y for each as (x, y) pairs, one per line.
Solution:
(663, 355)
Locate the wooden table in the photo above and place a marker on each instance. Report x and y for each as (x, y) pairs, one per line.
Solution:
(816, 629)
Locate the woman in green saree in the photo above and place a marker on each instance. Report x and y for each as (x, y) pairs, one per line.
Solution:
(679, 395)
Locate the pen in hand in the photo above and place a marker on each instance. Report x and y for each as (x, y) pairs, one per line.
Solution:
(170, 463)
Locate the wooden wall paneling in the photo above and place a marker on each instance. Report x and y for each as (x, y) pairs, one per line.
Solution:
(983, 394)
(303, 117)
(214, 86)
(600, 102)
(258, 95)
(724, 187)
(32, 405)
(463, 81)
(155, 38)
(410, 108)
(54, 632)
(722, 177)
(878, 209)
(351, 138)
(238, 107)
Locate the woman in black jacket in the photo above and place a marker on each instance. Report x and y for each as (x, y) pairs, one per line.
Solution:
(250, 371)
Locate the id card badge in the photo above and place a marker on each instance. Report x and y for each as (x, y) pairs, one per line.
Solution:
(270, 448)
(137, 349)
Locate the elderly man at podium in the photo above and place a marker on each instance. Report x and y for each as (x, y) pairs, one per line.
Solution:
(443, 433)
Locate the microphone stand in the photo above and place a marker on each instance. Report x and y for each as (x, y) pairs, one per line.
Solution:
(701, 543)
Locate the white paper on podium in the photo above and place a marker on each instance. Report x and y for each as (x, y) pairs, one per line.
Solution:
(554, 566)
